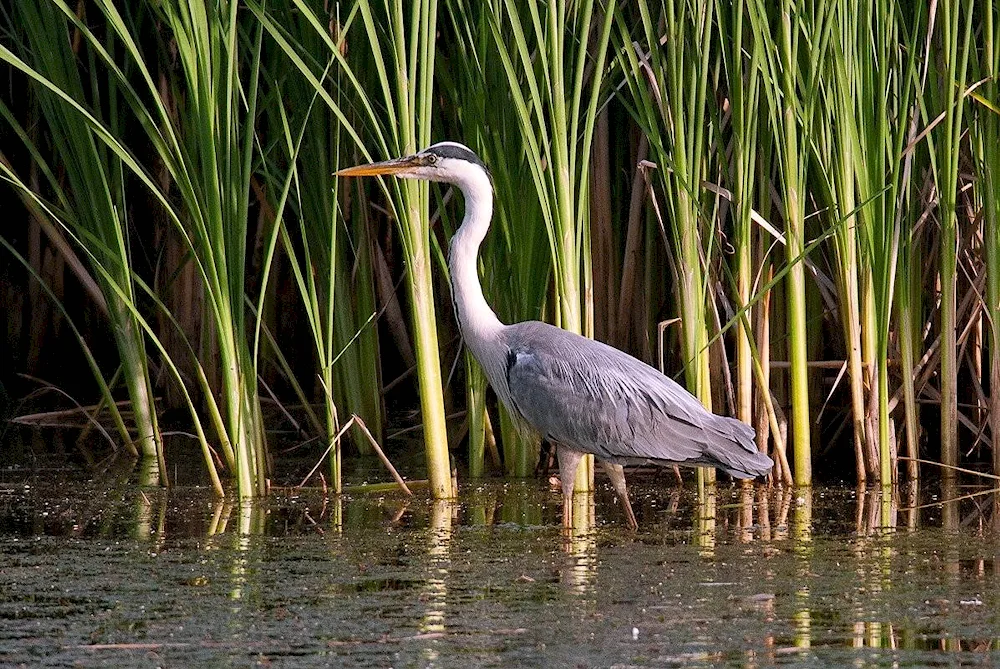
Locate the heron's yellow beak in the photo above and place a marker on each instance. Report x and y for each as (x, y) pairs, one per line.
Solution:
(386, 167)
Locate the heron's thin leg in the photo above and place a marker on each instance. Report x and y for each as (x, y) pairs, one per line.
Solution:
(617, 475)
(568, 461)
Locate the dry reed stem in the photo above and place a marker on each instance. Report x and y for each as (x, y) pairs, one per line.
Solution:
(962, 470)
(356, 420)
(378, 449)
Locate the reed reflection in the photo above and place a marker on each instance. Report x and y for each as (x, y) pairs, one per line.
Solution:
(877, 511)
(251, 517)
(803, 549)
(705, 520)
(434, 591)
(150, 516)
(744, 522)
(519, 506)
(876, 518)
(480, 510)
(579, 568)
(222, 510)
(760, 513)
(784, 503)
(764, 512)
(951, 522)
(910, 511)
(334, 505)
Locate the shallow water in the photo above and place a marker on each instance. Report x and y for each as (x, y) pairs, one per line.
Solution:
(828, 578)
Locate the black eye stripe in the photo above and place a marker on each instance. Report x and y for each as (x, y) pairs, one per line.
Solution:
(454, 151)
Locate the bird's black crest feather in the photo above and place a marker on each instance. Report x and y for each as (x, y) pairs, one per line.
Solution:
(459, 152)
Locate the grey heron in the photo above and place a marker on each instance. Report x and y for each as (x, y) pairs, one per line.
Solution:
(580, 394)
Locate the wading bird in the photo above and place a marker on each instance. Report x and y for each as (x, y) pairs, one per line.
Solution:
(581, 395)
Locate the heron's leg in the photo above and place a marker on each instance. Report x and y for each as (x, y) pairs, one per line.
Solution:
(617, 475)
(568, 461)
(544, 459)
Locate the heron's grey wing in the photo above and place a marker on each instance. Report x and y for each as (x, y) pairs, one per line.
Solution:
(588, 395)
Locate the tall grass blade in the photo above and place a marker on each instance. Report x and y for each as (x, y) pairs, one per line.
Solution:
(90, 194)
(386, 111)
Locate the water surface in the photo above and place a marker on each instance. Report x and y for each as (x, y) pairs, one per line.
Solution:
(827, 578)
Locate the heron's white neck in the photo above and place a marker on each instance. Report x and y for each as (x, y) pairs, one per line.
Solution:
(476, 320)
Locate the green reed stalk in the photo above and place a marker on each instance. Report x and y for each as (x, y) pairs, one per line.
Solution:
(875, 144)
(882, 70)
(414, 91)
(791, 86)
(210, 161)
(388, 90)
(794, 168)
(555, 67)
(986, 151)
(90, 196)
(744, 82)
(866, 87)
(836, 155)
(909, 287)
(909, 322)
(668, 86)
(956, 45)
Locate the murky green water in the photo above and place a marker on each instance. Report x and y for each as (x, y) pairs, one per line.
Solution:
(175, 579)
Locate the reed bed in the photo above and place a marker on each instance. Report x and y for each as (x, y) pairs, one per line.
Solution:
(797, 202)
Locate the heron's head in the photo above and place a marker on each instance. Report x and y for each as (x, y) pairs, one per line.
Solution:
(450, 162)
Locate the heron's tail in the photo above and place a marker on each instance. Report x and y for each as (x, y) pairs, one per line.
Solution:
(733, 450)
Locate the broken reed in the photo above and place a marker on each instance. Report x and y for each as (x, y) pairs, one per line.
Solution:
(808, 152)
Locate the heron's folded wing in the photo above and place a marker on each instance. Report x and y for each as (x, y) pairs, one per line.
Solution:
(585, 394)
